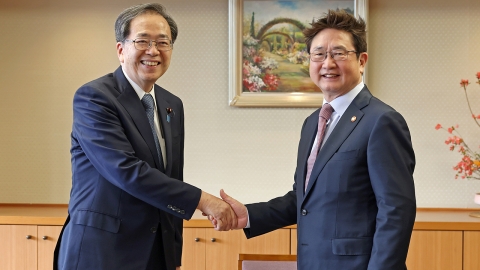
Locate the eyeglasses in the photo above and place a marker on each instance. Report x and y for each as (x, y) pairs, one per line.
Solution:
(337, 55)
(142, 44)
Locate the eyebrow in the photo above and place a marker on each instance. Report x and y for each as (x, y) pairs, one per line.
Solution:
(334, 48)
(145, 35)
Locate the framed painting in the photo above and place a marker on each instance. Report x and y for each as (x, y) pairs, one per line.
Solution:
(269, 62)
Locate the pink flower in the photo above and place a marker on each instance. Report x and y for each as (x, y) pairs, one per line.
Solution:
(438, 126)
(478, 75)
(257, 59)
(464, 83)
(271, 81)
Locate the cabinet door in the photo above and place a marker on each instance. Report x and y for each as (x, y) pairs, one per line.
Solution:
(47, 239)
(193, 257)
(222, 248)
(18, 248)
(439, 250)
(293, 240)
(471, 250)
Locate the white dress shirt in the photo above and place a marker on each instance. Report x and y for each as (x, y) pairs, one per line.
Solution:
(158, 127)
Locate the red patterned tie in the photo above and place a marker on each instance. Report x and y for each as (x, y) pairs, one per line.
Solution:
(323, 117)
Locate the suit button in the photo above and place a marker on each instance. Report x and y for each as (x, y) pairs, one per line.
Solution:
(304, 212)
(182, 212)
(153, 229)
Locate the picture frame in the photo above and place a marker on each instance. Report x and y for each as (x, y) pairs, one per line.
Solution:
(260, 55)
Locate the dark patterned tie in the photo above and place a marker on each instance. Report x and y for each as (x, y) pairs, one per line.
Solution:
(323, 117)
(149, 104)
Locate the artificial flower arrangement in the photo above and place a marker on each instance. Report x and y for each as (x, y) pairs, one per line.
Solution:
(469, 165)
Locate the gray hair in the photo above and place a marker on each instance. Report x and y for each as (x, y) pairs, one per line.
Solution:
(122, 24)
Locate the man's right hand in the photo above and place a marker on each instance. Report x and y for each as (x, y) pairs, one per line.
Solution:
(222, 213)
(239, 209)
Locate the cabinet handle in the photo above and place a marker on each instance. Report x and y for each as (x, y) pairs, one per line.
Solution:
(28, 236)
(197, 239)
(45, 237)
(214, 239)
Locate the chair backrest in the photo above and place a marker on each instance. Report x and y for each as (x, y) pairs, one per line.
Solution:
(267, 262)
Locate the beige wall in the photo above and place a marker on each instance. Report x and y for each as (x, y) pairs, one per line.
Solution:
(418, 54)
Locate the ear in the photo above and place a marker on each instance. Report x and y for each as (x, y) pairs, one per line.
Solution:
(120, 52)
(363, 61)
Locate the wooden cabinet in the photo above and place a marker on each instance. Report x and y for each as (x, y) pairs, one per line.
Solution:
(47, 240)
(442, 239)
(27, 246)
(293, 242)
(440, 250)
(205, 248)
(471, 249)
(19, 247)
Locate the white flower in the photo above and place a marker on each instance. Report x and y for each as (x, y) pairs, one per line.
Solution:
(269, 63)
(249, 40)
(256, 82)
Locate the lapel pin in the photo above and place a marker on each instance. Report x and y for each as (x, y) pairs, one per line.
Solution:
(353, 119)
(170, 114)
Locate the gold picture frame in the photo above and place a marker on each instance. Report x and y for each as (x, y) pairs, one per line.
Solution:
(238, 85)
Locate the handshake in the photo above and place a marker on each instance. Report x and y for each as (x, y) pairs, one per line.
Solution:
(225, 214)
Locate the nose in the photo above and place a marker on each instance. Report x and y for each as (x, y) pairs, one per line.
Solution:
(152, 50)
(328, 62)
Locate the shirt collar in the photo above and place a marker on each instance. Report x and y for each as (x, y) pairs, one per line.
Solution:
(341, 103)
(138, 89)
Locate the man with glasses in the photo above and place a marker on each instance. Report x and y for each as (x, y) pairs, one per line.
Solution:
(353, 198)
(128, 199)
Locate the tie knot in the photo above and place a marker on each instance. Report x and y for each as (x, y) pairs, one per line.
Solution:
(326, 111)
(147, 102)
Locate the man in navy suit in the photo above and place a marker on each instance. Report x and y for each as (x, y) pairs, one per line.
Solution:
(128, 199)
(358, 209)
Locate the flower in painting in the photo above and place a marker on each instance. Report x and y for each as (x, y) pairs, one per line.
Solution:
(269, 63)
(253, 83)
(271, 82)
(256, 69)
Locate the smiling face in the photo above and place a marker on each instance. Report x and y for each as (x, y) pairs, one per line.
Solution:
(145, 67)
(335, 78)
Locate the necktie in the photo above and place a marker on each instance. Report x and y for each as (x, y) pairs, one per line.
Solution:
(323, 117)
(149, 104)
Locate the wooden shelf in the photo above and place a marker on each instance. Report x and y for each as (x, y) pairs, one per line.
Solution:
(33, 214)
(448, 219)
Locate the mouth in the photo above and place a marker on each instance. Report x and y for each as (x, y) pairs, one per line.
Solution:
(150, 63)
(329, 75)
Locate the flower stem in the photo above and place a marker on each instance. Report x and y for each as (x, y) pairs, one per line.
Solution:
(469, 107)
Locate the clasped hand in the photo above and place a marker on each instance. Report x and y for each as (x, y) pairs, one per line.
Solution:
(225, 214)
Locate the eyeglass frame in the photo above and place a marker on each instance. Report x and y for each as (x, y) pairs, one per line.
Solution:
(134, 41)
(332, 56)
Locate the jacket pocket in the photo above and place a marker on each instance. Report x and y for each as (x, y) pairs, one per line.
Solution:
(352, 246)
(97, 220)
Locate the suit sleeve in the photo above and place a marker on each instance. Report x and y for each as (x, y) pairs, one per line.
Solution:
(107, 142)
(274, 214)
(391, 163)
(178, 222)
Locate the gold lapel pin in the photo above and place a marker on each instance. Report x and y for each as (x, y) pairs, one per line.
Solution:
(353, 119)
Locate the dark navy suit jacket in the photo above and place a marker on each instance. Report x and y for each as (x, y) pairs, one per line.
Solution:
(120, 197)
(359, 208)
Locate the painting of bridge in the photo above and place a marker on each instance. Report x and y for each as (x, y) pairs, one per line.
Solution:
(274, 55)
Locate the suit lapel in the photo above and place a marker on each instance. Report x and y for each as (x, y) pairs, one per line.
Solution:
(130, 101)
(162, 105)
(341, 132)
